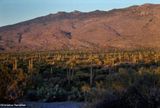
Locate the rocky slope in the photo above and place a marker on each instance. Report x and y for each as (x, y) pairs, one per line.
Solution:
(129, 28)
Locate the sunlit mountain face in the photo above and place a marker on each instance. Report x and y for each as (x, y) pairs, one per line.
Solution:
(129, 28)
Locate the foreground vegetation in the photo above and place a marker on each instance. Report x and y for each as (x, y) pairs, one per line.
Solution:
(104, 79)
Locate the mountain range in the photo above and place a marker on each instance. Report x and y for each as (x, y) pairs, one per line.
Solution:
(129, 28)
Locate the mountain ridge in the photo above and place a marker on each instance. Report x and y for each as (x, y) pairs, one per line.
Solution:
(128, 28)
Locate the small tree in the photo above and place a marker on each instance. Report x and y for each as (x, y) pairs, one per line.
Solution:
(71, 64)
(93, 60)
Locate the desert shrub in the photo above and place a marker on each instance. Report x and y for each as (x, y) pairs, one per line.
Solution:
(144, 91)
(12, 84)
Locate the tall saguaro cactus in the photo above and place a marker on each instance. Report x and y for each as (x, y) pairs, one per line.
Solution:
(15, 64)
(30, 65)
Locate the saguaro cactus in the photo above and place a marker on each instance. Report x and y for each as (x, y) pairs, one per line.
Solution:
(30, 65)
(15, 64)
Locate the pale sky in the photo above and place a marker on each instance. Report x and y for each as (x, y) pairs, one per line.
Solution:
(14, 11)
